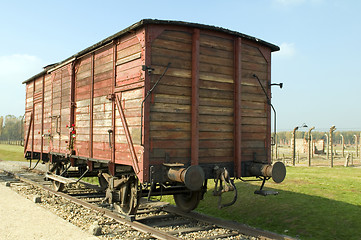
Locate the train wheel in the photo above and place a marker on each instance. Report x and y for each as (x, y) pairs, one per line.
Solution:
(128, 195)
(59, 168)
(187, 201)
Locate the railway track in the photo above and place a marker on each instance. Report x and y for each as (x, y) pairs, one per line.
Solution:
(154, 220)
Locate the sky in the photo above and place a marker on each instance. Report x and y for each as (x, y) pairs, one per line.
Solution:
(319, 62)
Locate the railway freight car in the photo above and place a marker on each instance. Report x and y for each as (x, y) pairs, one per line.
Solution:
(156, 109)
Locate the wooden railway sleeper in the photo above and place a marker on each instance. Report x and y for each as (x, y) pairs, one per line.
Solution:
(226, 184)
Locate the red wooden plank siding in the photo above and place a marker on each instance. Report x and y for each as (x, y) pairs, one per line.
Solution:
(267, 56)
(37, 111)
(28, 116)
(42, 117)
(91, 111)
(129, 82)
(47, 112)
(207, 109)
(195, 98)
(237, 107)
(216, 107)
(170, 108)
(254, 104)
(31, 134)
(148, 38)
(112, 100)
(102, 110)
(56, 102)
(60, 116)
(65, 110)
(72, 104)
(82, 112)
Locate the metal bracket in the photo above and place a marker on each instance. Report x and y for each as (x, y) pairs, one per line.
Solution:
(265, 192)
(111, 97)
(226, 184)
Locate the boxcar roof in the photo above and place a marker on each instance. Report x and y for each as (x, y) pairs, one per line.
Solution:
(146, 22)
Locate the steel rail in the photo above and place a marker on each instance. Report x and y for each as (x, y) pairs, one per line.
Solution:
(136, 225)
(241, 228)
(107, 213)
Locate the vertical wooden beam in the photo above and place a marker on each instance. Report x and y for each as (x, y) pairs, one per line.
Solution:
(72, 106)
(195, 98)
(237, 108)
(269, 128)
(113, 99)
(42, 119)
(146, 108)
(72, 95)
(91, 106)
(33, 123)
(58, 119)
(51, 146)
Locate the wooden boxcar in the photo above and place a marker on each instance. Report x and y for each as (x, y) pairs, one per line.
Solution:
(157, 108)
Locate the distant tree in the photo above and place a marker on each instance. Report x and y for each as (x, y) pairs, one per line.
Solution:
(1, 124)
(11, 128)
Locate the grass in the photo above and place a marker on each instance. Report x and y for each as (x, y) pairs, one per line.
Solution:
(313, 203)
(11, 153)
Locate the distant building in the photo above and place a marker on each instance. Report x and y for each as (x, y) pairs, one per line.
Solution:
(318, 146)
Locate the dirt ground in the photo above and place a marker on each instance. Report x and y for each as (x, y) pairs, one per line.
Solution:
(21, 218)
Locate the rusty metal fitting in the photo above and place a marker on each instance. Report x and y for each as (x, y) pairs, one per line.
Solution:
(266, 170)
(192, 177)
(277, 171)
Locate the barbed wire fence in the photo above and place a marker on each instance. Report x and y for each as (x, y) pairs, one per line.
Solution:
(329, 150)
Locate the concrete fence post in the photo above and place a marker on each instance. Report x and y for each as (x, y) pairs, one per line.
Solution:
(313, 146)
(310, 146)
(328, 146)
(332, 129)
(347, 160)
(356, 144)
(343, 145)
(294, 146)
